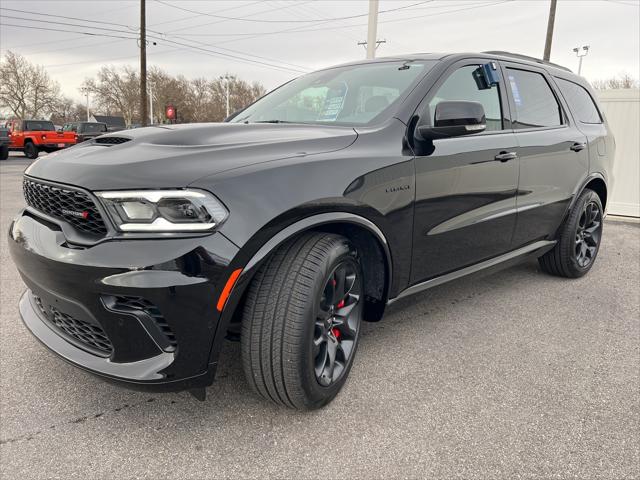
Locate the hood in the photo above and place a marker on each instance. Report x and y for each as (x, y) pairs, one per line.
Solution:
(177, 155)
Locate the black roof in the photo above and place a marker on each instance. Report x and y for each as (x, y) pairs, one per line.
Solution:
(110, 120)
(498, 55)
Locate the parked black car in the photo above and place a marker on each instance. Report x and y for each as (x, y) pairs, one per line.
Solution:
(305, 215)
(86, 130)
(4, 142)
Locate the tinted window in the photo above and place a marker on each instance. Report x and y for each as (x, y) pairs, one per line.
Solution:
(93, 127)
(461, 85)
(39, 126)
(352, 95)
(536, 106)
(579, 101)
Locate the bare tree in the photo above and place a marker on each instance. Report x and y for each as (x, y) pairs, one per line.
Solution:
(67, 110)
(623, 80)
(116, 91)
(196, 100)
(26, 89)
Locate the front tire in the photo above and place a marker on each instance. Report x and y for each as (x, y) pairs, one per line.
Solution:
(31, 151)
(4, 152)
(579, 241)
(301, 321)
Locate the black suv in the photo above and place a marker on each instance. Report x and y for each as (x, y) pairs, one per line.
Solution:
(85, 130)
(306, 214)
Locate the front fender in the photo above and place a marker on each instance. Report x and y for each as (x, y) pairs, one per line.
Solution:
(249, 259)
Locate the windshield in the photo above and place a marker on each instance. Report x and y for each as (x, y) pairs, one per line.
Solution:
(93, 127)
(352, 95)
(39, 126)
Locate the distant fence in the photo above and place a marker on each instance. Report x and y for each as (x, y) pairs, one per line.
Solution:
(622, 109)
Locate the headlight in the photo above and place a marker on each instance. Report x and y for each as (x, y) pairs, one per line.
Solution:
(163, 210)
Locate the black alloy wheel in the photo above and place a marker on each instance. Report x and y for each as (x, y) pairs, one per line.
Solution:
(578, 240)
(301, 321)
(338, 323)
(588, 234)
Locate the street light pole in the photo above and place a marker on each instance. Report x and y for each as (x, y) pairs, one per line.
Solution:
(87, 105)
(143, 64)
(226, 85)
(581, 52)
(150, 105)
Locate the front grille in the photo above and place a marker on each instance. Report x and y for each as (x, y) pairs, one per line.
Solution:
(87, 334)
(111, 140)
(127, 304)
(73, 206)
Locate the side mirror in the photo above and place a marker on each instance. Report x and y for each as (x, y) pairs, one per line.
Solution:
(454, 119)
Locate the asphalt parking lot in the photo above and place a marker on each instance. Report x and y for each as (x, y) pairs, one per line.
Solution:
(512, 375)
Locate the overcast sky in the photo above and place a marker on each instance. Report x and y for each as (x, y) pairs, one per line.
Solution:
(278, 40)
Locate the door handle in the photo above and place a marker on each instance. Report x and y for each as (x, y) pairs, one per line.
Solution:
(576, 147)
(506, 156)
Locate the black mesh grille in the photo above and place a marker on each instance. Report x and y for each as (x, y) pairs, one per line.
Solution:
(124, 303)
(73, 206)
(112, 140)
(90, 335)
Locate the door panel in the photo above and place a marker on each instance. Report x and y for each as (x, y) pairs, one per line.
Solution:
(465, 204)
(549, 173)
(552, 152)
(465, 207)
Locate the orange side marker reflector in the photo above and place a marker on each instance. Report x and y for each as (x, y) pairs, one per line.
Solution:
(227, 289)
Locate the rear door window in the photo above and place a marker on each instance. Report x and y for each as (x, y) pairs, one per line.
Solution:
(536, 105)
(580, 101)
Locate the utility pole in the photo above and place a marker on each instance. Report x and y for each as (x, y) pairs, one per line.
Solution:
(143, 64)
(372, 31)
(87, 92)
(552, 19)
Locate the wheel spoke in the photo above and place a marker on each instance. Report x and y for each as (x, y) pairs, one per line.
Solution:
(592, 228)
(337, 322)
(341, 278)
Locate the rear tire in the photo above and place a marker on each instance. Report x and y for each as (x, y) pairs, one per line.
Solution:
(31, 151)
(579, 240)
(4, 152)
(301, 321)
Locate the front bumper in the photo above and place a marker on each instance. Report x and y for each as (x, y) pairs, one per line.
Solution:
(141, 311)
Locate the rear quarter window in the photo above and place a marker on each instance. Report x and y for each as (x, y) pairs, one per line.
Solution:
(580, 101)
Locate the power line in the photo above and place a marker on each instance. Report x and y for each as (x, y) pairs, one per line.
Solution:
(244, 19)
(66, 31)
(86, 20)
(67, 24)
(247, 36)
(228, 55)
(222, 21)
(75, 47)
(296, 69)
(198, 16)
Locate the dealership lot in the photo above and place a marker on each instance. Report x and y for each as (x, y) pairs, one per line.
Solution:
(511, 374)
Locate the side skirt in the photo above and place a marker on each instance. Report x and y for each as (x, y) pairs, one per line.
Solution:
(542, 245)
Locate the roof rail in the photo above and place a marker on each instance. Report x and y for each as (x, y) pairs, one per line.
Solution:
(527, 57)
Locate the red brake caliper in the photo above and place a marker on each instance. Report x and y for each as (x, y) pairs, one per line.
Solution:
(336, 333)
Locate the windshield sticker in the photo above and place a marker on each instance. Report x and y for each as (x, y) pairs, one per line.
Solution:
(515, 91)
(333, 103)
